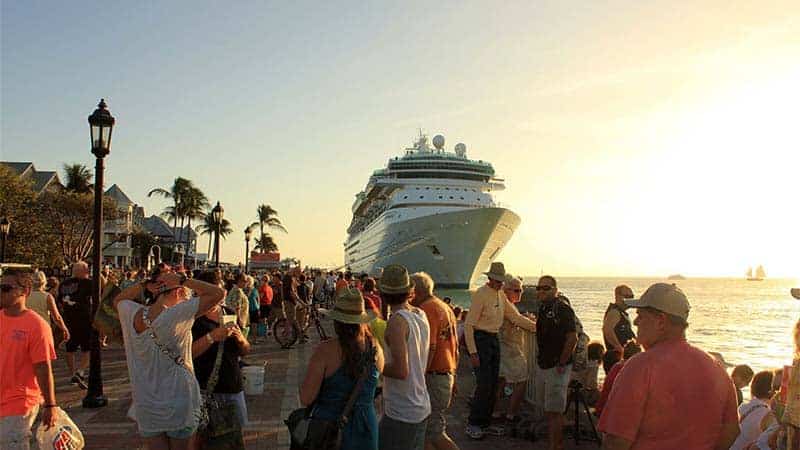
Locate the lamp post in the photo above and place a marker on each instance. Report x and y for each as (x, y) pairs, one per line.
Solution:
(247, 234)
(5, 226)
(219, 214)
(101, 123)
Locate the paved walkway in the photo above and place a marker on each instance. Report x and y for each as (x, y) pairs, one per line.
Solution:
(109, 427)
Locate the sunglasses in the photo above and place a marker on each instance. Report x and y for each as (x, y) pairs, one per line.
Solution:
(544, 288)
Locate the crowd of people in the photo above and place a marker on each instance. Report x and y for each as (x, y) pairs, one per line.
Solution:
(392, 363)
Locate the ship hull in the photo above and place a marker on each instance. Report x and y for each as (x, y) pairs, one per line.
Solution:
(453, 247)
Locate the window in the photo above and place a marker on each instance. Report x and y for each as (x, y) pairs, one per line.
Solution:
(440, 197)
(405, 197)
(421, 197)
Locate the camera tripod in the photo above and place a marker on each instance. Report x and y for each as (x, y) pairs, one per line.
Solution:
(577, 400)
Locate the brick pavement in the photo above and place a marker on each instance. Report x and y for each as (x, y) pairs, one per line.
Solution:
(109, 427)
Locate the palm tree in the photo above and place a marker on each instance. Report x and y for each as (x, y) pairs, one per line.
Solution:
(266, 244)
(209, 226)
(78, 177)
(193, 204)
(179, 187)
(268, 217)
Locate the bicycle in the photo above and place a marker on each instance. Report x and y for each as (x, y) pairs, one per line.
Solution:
(314, 316)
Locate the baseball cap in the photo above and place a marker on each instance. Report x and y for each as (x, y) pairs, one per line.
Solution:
(664, 297)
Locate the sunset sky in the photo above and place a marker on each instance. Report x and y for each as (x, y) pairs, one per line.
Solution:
(635, 138)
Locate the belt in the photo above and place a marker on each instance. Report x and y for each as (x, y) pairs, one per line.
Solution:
(439, 373)
(478, 330)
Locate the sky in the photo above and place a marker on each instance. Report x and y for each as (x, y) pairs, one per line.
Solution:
(635, 138)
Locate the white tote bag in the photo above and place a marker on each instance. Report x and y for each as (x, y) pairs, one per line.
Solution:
(64, 435)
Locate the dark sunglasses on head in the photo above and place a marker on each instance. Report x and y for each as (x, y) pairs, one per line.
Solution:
(544, 288)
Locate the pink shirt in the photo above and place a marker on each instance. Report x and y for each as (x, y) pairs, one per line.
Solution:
(25, 340)
(673, 396)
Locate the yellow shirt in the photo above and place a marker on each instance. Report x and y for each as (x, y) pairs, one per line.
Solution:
(487, 311)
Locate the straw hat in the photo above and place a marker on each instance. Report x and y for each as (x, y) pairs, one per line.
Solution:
(497, 272)
(395, 280)
(349, 307)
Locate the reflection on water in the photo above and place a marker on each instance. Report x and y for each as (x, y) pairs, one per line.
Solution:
(748, 322)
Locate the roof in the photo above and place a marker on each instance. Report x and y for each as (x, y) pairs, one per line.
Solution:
(117, 194)
(157, 226)
(18, 167)
(41, 180)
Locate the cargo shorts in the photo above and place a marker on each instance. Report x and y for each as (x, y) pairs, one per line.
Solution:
(556, 387)
(440, 389)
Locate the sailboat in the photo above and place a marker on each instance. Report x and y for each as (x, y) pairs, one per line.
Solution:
(759, 274)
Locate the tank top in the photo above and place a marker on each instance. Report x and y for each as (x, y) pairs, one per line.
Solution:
(622, 329)
(37, 301)
(407, 400)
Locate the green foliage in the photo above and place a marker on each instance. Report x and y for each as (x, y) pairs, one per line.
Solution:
(79, 178)
(51, 229)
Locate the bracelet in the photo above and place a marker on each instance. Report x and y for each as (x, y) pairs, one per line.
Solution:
(209, 338)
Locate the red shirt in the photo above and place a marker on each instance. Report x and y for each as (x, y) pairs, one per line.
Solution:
(266, 293)
(607, 385)
(373, 301)
(25, 340)
(672, 396)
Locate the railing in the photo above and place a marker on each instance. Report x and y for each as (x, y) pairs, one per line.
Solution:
(534, 394)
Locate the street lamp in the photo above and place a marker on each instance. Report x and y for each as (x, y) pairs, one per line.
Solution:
(247, 234)
(5, 225)
(101, 123)
(218, 214)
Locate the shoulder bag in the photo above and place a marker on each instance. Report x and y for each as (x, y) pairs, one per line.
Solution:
(310, 433)
(218, 423)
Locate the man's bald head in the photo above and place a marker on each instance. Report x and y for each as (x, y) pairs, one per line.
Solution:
(80, 270)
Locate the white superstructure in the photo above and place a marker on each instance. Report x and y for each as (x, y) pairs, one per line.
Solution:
(433, 211)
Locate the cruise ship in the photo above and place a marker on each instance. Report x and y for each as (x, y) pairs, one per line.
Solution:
(430, 210)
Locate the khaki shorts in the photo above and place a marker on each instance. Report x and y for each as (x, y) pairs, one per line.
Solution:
(16, 431)
(555, 386)
(513, 364)
(440, 389)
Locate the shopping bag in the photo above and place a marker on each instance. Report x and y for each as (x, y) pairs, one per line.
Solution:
(64, 435)
(106, 320)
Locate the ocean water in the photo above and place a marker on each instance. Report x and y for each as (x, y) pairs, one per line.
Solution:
(748, 322)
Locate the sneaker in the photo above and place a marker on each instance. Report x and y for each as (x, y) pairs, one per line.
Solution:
(77, 379)
(495, 430)
(474, 432)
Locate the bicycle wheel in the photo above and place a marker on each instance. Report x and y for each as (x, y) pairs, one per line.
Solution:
(285, 332)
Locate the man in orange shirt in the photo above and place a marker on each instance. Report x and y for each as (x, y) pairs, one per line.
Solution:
(442, 360)
(25, 372)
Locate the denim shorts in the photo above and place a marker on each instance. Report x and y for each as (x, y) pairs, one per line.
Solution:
(182, 433)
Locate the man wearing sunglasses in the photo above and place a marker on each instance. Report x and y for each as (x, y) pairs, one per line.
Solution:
(556, 338)
(673, 395)
(26, 377)
(486, 314)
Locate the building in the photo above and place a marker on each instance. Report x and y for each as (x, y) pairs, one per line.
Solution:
(117, 245)
(42, 181)
(165, 235)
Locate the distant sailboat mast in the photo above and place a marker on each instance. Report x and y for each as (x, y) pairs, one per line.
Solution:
(760, 273)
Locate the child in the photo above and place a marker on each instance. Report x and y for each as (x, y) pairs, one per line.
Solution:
(741, 376)
(588, 376)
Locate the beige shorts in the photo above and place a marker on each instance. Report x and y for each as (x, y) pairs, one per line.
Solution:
(16, 431)
(513, 365)
(555, 386)
(440, 388)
